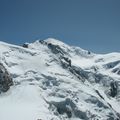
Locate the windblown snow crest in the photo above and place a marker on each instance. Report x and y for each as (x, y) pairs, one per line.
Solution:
(50, 80)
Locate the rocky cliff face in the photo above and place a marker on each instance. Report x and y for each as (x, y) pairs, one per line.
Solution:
(5, 79)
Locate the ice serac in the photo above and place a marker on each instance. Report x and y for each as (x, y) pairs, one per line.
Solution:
(54, 81)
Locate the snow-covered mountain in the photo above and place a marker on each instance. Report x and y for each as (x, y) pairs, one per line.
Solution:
(50, 80)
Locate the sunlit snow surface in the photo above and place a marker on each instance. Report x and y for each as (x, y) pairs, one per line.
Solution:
(41, 83)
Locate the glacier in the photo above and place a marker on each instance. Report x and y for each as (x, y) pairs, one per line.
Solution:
(55, 81)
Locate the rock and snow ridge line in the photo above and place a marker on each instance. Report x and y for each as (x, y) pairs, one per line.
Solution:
(55, 81)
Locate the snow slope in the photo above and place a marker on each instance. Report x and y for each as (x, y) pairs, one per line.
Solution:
(55, 81)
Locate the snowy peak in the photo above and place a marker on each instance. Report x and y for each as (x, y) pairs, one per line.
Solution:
(55, 81)
(49, 41)
(58, 46)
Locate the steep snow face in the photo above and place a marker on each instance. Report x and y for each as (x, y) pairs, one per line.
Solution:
(55, 81)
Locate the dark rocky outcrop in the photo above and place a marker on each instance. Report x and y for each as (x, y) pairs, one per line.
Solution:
(65, 61)
(25, 45)
(113, 89)
(5, 79)
(56, 49)
(43, 42)
(116, 70)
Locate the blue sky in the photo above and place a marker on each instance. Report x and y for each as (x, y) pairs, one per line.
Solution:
(91, 24)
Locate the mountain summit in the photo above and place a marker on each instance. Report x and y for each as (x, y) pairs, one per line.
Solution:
(50, 80)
